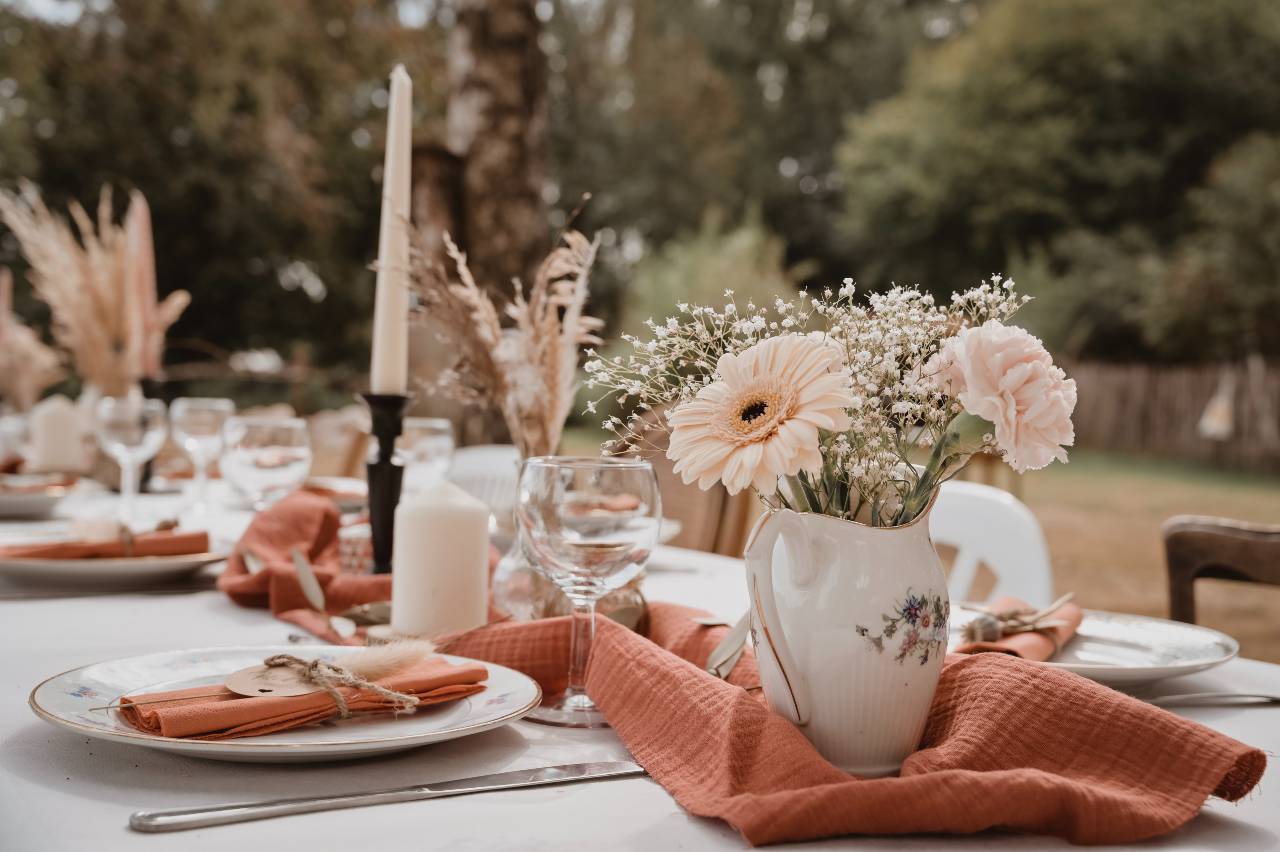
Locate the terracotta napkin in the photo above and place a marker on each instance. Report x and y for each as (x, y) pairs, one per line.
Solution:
(310, 523)
(192, 713)
(1009, 744)
(166, 543)
(1030, 646)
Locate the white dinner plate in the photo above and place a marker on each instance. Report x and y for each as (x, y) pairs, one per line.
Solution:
(1120, 649)
(36, 504)
(66, 700)
(120, 571)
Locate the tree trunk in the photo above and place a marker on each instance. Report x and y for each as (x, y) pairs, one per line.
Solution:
(485, 185)
(497, 122)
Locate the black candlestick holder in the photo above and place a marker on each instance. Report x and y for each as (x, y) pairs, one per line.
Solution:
(385, 473)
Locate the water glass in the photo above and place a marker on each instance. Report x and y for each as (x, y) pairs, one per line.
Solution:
(426, 448)
(197, 427)
(131, 430)
(588, 525)
(265, 458)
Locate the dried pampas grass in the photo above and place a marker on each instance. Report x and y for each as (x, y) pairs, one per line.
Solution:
(528, 369)
(27, 365)
(98, 279)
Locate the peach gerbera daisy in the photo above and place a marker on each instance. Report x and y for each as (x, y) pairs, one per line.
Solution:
(760, 420)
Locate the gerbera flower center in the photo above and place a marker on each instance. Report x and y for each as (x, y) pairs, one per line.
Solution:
(753, 409)
(756, 412)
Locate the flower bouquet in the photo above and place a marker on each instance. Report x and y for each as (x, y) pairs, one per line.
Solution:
(829, 405)
(845, 417)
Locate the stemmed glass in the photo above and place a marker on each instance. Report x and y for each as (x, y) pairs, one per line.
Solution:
(426, 446)
(197, 427)
(265, 457)
(131, 430)
(589, 525)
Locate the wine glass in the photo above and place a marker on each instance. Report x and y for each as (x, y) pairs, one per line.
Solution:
(588, 525)
(265, 458)
(131, 430)
(426, 447)
(197, 427)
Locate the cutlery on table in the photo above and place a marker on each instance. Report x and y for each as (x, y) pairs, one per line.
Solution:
(252, 561)
(1207, 699)
(179, 819)
(725, 656)
(312, 591)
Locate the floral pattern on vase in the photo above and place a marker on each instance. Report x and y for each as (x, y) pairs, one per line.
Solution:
(921, 620)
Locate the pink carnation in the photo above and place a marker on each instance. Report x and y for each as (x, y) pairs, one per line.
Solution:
(1004, 374)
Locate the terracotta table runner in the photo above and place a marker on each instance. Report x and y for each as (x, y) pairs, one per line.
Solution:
(1009, 744)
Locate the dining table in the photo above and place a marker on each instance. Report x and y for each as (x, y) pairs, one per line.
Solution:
(61, 791)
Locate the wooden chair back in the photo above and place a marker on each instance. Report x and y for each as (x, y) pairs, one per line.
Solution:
(1198, 547)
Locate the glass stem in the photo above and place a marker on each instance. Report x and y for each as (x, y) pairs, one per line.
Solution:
(583, 632)
(202, 483)
(128, 490)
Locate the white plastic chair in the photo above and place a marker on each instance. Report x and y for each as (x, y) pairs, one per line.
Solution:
(488, 473)
(991, 526)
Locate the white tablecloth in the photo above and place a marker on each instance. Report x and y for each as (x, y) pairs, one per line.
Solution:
(59, 791)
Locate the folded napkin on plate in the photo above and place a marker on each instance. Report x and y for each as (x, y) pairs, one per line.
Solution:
(193, 713)
(309, 523)
(1009, 744)
(1039, 646)
(165, 543)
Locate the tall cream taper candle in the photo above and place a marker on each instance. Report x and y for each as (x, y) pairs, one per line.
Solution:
(389, 363)
(440, 562)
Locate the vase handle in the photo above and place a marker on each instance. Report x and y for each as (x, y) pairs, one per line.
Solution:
(764, 607)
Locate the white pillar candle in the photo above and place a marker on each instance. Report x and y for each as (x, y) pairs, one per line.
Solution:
(440, 562)
(389, 367)
(55, 435)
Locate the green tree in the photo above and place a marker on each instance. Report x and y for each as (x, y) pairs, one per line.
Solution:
(1051, 118)
(255, 133)
(698, 267)
(662, 111)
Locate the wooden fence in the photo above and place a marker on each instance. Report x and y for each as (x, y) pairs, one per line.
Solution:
(1157, 410)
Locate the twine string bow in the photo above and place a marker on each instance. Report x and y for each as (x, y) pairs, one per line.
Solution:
(993, 625)
(329, 677)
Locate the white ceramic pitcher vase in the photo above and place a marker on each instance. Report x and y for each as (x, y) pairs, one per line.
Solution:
(850, 628)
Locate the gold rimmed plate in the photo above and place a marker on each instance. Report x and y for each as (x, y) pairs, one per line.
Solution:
(1120, 649)
(68, 700)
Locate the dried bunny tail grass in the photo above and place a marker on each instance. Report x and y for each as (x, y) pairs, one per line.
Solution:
(379, 661)
(99, 283)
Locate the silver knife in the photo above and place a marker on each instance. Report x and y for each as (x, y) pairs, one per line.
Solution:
(179, 819)
(724, 657)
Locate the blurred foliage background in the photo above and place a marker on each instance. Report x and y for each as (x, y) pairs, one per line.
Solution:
(1121, 159)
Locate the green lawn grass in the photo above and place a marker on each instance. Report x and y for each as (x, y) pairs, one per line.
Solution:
(1102, 515)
